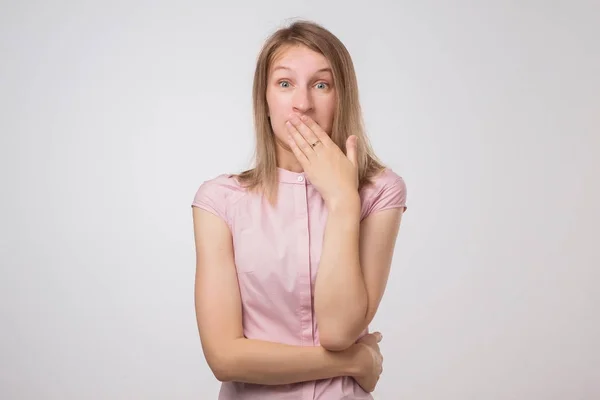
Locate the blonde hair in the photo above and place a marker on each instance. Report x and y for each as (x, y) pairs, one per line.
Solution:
(347, 118)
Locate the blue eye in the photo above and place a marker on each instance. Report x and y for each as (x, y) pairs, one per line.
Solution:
(323, 85)
(280, 83)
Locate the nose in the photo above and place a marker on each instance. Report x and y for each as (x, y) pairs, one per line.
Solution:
(302, 103)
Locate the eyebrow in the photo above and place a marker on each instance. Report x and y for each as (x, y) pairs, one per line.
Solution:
(326, 69)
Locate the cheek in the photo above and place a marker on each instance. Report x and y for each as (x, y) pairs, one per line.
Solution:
(279, 109)
(278, 126)
(278, 123)
(276, 101)
(325, 113)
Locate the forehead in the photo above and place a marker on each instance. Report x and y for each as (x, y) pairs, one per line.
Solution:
(299, 58)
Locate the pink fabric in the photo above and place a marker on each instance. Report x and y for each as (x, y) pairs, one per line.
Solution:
(277, 252)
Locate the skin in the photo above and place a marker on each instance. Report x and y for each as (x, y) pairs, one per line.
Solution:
(300, 82)
(302, 87)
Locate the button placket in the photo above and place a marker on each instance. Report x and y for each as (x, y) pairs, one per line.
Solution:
(303, 261)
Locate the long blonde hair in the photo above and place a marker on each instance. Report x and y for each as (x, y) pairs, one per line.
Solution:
(347, 118)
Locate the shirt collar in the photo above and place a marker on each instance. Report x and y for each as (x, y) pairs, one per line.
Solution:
(287, 176)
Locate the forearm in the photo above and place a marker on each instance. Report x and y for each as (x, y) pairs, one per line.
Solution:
(340, 293)
(269, 363)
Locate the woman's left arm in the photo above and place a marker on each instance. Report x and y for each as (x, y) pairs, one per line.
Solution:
(353, 271)
(356, 257)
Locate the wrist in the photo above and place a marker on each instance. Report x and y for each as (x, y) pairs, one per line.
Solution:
(352, 365)
(342, 363)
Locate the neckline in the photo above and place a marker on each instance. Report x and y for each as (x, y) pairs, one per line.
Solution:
(287, 176)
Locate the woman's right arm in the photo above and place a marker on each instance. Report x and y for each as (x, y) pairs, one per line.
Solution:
(232, 357)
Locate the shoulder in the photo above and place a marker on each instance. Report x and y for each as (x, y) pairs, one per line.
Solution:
(224, 184)
(387, 190)
(216, 195)
(386, 179)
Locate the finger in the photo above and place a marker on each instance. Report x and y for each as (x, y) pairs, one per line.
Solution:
(306, 132)
(371, 339)
(367, 338)
(351, 149)
(317, 130)
(378, 336)
(299, 140)
(300, 156)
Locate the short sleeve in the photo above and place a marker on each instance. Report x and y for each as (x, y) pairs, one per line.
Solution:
(388, 192)
(213, 196)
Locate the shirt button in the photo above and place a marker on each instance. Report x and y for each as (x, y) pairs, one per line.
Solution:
(300, 179)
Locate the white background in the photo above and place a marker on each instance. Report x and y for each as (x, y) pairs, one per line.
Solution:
(114, 112)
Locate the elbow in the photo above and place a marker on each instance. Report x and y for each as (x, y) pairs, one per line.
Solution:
(335, 341)
(338, 336)
(221, 367)
(223, 361)
(221, 375)
(220, 370)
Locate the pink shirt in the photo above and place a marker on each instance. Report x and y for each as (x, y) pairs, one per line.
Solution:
(277, 252)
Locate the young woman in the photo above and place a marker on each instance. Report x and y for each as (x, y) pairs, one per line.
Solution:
(293, 256)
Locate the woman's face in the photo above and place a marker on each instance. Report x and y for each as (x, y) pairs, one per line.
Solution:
(300, 80)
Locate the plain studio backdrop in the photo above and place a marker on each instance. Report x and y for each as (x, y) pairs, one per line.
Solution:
(113, 113)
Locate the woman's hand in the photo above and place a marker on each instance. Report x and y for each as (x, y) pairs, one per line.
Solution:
(333, 173)
(370, 361)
